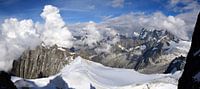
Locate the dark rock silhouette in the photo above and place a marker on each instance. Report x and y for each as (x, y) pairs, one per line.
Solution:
(56, 83)
(192, 67)
(92, 87)
(177, 64)
(5, 81)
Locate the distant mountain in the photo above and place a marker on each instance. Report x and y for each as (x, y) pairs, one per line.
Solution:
(149, 51)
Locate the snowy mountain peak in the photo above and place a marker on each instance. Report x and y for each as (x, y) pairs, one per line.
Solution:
(147, 34)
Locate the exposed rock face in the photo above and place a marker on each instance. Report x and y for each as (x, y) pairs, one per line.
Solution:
(190, 77)
(40, 62)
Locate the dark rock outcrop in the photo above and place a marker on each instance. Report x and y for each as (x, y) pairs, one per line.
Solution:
(55, 83)
(41, 62)
(177, 64)
(192, 67)
(5, 81)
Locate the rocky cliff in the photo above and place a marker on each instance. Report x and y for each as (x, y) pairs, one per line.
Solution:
(190, 78)
(40, 62)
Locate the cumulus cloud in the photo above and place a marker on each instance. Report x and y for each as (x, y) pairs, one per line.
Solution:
(55, 30)
(117, 3)
(16, 36)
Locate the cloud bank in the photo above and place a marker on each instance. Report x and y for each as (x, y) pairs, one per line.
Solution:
(180, 25)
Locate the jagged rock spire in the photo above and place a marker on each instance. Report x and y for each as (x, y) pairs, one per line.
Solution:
(192, 67)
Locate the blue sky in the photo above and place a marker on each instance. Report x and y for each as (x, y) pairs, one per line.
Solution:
(74, 11)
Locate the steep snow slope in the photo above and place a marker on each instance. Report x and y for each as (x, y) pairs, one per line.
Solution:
(84, 74)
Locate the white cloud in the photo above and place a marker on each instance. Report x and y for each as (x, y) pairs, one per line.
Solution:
(106, 17)
(92, 35)
(190, 5)
(173, 2)
(16, 36)
(91, 7)
(117, 3)
(55, 30)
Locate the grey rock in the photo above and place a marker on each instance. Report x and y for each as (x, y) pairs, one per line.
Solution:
(41, 62)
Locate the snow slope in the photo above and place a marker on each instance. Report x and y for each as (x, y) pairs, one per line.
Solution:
(84, 74)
